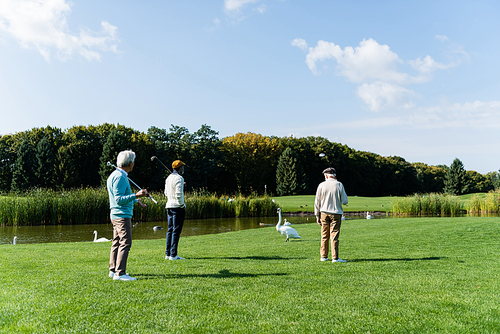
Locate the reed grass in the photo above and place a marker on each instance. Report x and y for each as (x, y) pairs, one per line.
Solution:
(427, 204)
(485, 204)
(91, 206)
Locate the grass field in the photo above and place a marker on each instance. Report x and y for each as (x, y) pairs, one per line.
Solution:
(403, 275)
(357, 204)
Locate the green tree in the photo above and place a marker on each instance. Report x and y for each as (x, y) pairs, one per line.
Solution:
(205, 159)
(290, 175)
(455, 180)
(251, 158)
(7, 160)
(46, 161)
(168, 146)
(23, 175)
(478, 183)
(430, 178)
(115, 143)
(494, 179)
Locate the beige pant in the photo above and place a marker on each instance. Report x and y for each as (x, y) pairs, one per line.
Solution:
(120, 246)
(330, 230)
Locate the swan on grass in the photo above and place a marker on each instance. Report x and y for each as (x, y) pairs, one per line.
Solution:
(287, 231)
(100, 239)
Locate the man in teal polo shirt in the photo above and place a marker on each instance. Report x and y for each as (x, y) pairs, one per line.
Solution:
(121, 203)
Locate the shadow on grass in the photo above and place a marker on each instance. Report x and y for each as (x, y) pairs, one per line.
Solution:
(403, 259)
(258, 258)
(222, 274)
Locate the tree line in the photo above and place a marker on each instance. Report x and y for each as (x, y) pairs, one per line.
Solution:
(244, 163)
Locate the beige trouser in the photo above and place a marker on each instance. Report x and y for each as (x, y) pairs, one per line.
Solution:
(330, 230)
(120, 246)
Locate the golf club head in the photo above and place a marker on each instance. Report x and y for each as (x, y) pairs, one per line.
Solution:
(321, 155)
(153, 158)
(109, 163)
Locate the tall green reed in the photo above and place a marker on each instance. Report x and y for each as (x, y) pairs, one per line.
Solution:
(91, 206)
(427, 204)
(487, 204)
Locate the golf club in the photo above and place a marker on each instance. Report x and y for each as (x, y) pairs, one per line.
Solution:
(135, 184)
(323, 155)
(155, 157)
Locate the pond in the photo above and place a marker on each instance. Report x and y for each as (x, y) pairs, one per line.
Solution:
(83, 233)
(145, 231)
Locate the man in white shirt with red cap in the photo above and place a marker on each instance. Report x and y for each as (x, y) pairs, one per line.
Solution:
(330, 196)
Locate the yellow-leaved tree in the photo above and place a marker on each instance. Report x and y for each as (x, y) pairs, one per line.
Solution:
(252, 159)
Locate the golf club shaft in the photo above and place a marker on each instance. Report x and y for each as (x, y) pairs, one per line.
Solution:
(135, 184)
(155, 157)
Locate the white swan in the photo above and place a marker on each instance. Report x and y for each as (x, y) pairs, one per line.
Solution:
(288, 231)
(286, 223)
(368, 216)
(100, 239)
(14, 241)
(157, 228)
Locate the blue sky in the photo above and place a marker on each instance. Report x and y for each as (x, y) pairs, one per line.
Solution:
(417, 79)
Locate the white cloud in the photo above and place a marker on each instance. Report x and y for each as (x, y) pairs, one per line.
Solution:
(477, 114)
(215, 25)
(300, 43)
(235, 5)
(376, 69)
(262, 9)
(442, 38)
(43, 25)
(428, 65)
(381, 95)
(369, 61)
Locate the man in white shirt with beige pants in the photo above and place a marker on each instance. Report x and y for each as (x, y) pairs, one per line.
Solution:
(330, 196)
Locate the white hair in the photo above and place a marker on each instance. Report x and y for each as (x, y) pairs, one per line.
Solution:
(124, 158)
(330, 175)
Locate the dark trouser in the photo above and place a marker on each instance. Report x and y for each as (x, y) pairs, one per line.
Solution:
(175, 218)
(120, 246)
(330, 230)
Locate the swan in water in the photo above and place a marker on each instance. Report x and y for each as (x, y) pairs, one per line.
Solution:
(157, 228)
(286, 223)
(288, 231)
(14, 241)
(368, 216)
(100, 239)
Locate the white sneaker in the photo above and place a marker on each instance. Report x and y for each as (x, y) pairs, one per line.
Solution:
(168, 257)
(125, 277)
(112, 273)
(177, 257)
(324, 259)
(339, 260)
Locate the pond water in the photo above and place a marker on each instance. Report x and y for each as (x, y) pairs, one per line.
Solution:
(83, 233)
(145, 231)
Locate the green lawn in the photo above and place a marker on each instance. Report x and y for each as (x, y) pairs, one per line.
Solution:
(306, 203)
(403, 275)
